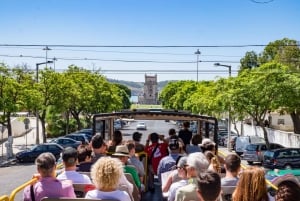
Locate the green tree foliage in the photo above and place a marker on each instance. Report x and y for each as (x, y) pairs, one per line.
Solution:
(249, 61)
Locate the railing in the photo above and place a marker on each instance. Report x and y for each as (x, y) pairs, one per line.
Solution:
(18, 189)
(4, 198)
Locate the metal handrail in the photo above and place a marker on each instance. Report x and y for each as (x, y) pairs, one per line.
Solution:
(4, 198)
(244, 167)
(18, 189)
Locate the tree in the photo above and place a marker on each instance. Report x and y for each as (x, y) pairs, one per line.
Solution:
(249, 61)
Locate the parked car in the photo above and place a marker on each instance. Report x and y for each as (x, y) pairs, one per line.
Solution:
(30, 155)
(255, 152)
(277, 176)
(241, 142)
(285, 158)
(79, 137)
(66, 142)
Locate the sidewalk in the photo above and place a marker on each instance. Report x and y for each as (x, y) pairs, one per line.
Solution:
(19, 144)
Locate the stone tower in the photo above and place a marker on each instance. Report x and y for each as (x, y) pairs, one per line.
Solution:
(150, 90)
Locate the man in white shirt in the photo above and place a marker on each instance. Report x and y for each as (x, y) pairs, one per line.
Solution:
(70, 157)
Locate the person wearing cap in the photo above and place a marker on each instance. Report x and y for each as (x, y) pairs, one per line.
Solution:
(209, 145)
(123, 154)
(155, 151)
(182, 173)
(70, 159)
(136, 136)
(47, 185)
(168, 162)
(196, 164)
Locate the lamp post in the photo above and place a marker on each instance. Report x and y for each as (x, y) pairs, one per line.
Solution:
(37, 141)
(47, 49)
(197, 53)
(229, 119)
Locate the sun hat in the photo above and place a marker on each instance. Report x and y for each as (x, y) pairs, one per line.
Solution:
(121, 150)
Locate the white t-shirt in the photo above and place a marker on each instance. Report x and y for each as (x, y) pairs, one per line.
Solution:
(117, 194)
(174, 187)
(75, 177)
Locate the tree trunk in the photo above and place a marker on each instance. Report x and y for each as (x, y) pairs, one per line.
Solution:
(296, 122)
(8, 124)
(43, 121)
(262, 125)
(67, 121)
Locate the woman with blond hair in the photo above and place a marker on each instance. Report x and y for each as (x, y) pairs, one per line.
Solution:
(106, 173)
(251, 186)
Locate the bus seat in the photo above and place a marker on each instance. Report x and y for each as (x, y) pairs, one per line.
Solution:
(81, 189)
(227, 191)
(136, 192)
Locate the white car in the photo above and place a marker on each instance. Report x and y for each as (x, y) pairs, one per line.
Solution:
(141, 126)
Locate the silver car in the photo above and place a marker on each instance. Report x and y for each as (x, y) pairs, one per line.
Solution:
(255, 152)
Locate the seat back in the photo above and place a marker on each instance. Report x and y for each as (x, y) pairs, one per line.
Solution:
(81, 189)
(136, 192)
(227, 192)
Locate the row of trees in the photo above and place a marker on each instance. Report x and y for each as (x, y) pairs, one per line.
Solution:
(268, 81)
(76, 92)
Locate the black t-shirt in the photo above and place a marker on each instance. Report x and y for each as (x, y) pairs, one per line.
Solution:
(185, 135)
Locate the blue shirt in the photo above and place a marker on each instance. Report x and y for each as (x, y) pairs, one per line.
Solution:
(166, 164)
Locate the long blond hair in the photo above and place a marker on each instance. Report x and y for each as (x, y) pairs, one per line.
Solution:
(251, 186)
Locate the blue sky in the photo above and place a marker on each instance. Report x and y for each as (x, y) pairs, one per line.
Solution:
(143, 23)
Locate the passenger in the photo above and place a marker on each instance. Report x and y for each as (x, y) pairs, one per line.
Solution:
(194, 146)
(185, 134)
(168, 163)
(232, 167)
(106, 173)
(196, 164)
(70, 156)
(134, 160)
(84, 154)
(208, 145)
(98, 150)
(48, 185)
(251, 186)
(136, 136)
(123, 154)
(182, 173)
(172, 132)
(288, 191)
(156, 151)
(209, 186)
(214, 164)
(117, 139)
(172, 178)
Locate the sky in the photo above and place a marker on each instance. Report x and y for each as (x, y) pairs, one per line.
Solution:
(114, 36)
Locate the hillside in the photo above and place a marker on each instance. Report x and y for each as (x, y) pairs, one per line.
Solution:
(137, 87)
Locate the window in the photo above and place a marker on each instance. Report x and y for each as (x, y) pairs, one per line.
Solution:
(280, 121)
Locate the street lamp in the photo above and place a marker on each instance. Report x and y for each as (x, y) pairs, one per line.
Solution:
(229, 119)
(47, 49)
(37, 141)
(197, 53)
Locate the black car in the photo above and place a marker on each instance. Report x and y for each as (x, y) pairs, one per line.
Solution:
(66, 142)
(286, 158)
(79, 137)
(30, 155)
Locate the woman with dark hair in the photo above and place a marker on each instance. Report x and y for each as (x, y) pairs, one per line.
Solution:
(117, 139)
(288, 191)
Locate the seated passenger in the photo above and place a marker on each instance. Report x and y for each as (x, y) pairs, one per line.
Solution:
(98, 150)
(194, 146)
(288, 191)
(182, 173)
(48, 185)
(208, 145)
(168, 163)
(209, 186)
(196, 164)
(70, 156)
(84, 154)
(123, 154)
(106, 173)
(136, 136)
(214, 164)
(134, 160)
(117, 139)
(251, 186)
(232, 167)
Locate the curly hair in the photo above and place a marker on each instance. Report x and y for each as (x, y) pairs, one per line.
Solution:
(106, 173)
(251, 186)
(288, 191)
